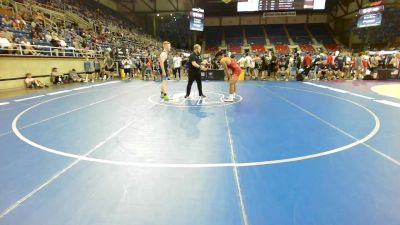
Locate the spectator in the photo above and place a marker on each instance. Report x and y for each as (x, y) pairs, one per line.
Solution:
(74, 76)
(357, 67)
(33, 83)
(39, 17)
(109, 64)
(273, 66)
(307, 64)
(5, 44)
(323, 70)
(283, 68)
(374, 63)
(339, 65)
(27, 47)
(104, 74)
(19, 22)
(89, 69)
(177, 61)
(127, 65)
(6, 21)
(329, 61)
(9, 35)
(56, 78)
(135, 66)
(97, 68)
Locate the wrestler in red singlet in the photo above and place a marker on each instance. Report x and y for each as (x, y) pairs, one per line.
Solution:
(234, 66)
(229, 65)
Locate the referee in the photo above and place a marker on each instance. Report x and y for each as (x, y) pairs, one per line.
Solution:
(195, 68)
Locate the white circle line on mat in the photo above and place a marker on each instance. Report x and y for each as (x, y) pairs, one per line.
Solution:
(220, 103)
(200, 165)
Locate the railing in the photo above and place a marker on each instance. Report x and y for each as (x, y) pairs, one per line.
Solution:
(4, 5)
(83, 21)
(48, 7)
(44, 50)
(4, 2)
(64, 16)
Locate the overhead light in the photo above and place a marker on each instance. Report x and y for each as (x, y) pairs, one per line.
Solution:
(170, 14)
(226, 1)
(158, 14)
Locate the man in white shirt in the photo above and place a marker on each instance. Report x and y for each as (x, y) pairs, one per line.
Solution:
(127, 64)
(242, 62)
(395, 63)
(5, 44)
(28, 49)
(250, 65)
(177, 61)
(164, 69)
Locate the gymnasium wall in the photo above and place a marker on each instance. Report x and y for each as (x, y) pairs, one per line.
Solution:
(13, 67)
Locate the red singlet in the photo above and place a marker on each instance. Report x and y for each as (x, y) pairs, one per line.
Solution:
(235, 68)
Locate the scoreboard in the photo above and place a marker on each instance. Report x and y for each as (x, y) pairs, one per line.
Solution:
(197, 19)
(370, 17)
(279, 5)
(369, 20)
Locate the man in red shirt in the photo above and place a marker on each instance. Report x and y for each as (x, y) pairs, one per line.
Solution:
(307, 60)
(329, 60)
(307, 64)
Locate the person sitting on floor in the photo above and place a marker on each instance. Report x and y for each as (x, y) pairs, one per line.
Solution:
(74, 76)
(104, 74)
(33, 83)
(56, 77)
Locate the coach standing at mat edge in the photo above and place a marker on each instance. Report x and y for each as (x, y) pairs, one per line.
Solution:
(195, 67)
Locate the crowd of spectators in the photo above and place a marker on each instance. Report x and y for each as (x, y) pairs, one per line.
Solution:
(337, 65)
(28, 34)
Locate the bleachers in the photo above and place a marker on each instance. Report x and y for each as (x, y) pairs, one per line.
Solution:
(298, 33)
(258, 48)
(306, 48)
(6, 11)
(331, 47)
(254, 31)
(276, 34)
(282, 49)
(321, 33)
(233, 35)
(255, 37)
(235, 48)
(213, 38)
(256, 40)
(211, 48)
(41, 54)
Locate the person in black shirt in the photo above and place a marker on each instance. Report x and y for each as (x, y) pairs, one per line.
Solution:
(338, 67)
(283, 66)
(323, 70)
(272, 66)
(195, 67)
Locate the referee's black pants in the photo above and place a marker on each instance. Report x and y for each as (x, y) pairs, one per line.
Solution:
(194, 77)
